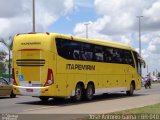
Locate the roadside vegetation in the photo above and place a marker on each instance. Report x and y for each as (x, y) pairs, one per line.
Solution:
(151, 109)
(146, 112)
(2, 57)
(156, 82)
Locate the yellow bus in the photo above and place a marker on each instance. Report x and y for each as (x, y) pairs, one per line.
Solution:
(52, 65)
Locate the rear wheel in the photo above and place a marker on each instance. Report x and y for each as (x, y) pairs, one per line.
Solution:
(89, 92)
(44, 99)
(78, 93)
(131, 91)
(58, 99)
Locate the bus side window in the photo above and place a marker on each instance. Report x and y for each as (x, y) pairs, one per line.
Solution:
(62, 48)
(67, 50)
(86, 52)
(76, 46)
(76, 55)
(116, 55)
(138, 65)
(108, 54)
(122, 55)
(99, 53)
(128, 58)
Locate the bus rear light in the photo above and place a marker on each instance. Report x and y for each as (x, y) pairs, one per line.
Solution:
(13, 77)
(49, 78)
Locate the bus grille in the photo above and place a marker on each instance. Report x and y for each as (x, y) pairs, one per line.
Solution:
(30, 62)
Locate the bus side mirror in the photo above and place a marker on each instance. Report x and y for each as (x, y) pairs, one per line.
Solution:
(142, 62)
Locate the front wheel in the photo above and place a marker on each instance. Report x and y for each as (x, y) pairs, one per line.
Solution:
(131, 91)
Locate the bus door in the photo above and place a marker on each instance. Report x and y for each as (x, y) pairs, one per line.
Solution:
(138, 69)
(130, 67)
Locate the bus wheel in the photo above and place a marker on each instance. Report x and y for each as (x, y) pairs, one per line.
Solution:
(44, 99)
(131, 91)
(78, 93)
(89, 92)
(58, 99)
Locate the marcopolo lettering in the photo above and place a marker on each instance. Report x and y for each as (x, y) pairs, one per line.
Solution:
(80, 67)
(31, 43)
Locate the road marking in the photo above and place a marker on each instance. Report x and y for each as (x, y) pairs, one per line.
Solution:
(39, 108)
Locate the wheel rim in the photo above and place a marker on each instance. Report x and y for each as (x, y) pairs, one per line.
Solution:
(89, 92)
(78, 94)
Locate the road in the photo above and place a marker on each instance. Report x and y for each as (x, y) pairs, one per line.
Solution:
(100, 104)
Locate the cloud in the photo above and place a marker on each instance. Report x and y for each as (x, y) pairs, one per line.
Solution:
(154, 45)
(84, 3)
(122, 16)
(10, 8)
(153, 13)
(117, 20)
(16, 16)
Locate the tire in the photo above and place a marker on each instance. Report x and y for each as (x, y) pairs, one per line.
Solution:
(44, 99)
(131, 91)
(145, 86)
(89, 92)
(12, 95)
(78, 93)
(58, 99)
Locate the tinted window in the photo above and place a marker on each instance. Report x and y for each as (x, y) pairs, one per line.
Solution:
(75, 50)
(87, 52)
(127, 57)
(98, 53)
(136, 56)
(108, 54)
(68, 49)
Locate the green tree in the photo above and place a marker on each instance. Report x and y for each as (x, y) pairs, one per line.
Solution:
(8, 44)
(2, 67)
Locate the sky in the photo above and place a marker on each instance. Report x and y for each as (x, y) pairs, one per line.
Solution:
(113, 20)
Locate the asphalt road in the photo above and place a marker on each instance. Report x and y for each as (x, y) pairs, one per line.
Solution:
(100, 104)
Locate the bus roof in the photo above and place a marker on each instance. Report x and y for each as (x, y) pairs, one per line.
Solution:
(95, 41)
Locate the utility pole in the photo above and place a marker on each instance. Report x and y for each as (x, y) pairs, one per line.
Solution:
(33, 10)
(86, 24)
(139, 18)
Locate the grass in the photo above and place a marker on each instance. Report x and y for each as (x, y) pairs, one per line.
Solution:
(155, 82)
(146, 112)
(151, 109)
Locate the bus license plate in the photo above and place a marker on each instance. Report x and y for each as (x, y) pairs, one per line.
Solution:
(29, 90)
